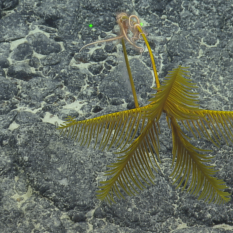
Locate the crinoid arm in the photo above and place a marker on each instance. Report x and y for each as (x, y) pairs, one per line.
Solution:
(117, 129)
(132, 170)
(190, 163)
(180, 103)
(212, 125)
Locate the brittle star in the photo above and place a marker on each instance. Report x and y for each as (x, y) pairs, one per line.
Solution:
(124, 23)
(134, 29)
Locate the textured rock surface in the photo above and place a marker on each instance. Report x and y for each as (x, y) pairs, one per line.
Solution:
(47, 182)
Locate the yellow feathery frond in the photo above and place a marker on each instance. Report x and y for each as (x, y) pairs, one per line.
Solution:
(132, 166)
(190, 162)
(174, 94)
(213, 125)
(124, 126)
(220, 123)
(139, 148)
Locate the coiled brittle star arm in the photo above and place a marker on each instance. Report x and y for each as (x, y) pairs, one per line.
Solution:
(101, 41)
(124, 22)
(134, 28)
(120, 18)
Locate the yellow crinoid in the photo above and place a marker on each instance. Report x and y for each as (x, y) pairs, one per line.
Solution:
(135, 134)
